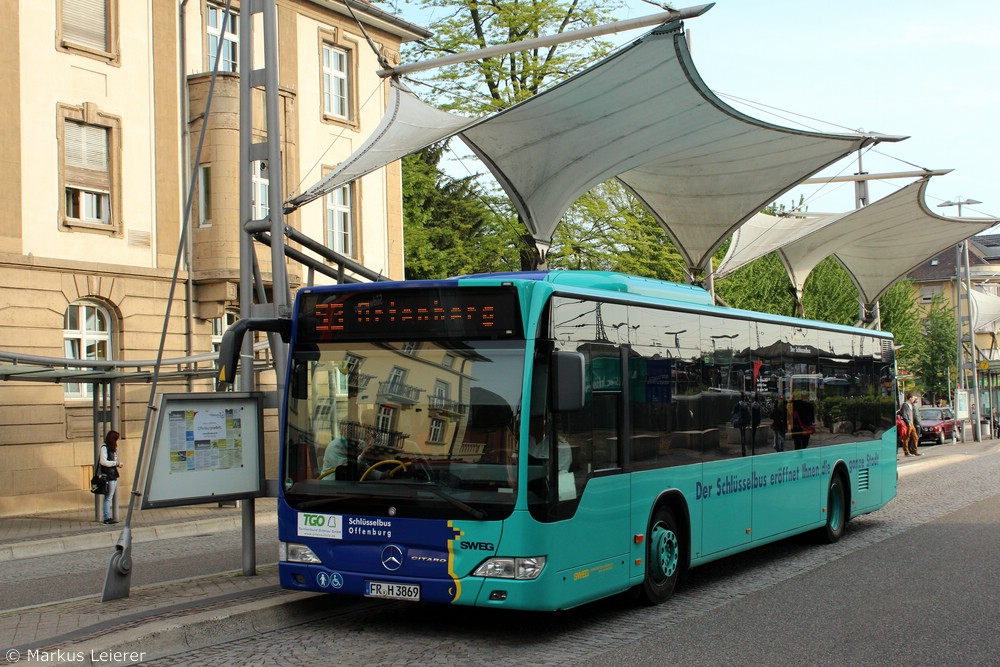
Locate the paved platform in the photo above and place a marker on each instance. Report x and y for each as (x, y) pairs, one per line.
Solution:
(173, 617)
(76, 530)
(154, 620)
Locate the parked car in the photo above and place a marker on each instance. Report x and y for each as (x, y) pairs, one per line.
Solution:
(938, 425)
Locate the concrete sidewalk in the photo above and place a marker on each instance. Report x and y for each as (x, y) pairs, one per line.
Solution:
(155, 620)
(76, 530)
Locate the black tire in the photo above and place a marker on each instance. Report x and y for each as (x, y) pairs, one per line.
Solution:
(836, 510)
(663, 557)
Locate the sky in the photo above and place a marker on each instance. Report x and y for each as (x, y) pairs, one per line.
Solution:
(926, 70)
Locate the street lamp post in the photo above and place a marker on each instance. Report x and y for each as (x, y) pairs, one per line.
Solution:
(962, 257)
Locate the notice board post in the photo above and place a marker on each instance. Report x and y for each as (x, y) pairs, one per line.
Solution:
(208, 447)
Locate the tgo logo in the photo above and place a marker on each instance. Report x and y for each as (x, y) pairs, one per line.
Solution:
(320, 525)
(392, 557)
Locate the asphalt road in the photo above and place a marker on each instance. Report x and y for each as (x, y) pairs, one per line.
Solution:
(912, 584)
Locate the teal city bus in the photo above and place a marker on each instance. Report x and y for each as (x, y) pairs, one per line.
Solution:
(540, 440)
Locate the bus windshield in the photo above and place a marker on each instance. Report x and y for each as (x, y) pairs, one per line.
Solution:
(424, 427)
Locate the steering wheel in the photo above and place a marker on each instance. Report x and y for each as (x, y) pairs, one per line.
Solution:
(399, 466)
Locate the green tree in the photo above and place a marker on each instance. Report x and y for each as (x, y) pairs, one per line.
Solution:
(480, 86)
(451, 226)
(762, 285)
(830, 295)
(607, 229)
(901, 316)
(937, 358)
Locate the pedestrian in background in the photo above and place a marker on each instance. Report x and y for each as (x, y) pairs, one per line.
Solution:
(109, 467)
(908, 411)
(779, 423)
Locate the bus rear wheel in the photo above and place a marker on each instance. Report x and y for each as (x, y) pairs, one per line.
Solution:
(663, 557)
(836, 510)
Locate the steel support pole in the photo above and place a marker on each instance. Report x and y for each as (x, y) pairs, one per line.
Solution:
(959, 366)
(249, 549)
(976, 427)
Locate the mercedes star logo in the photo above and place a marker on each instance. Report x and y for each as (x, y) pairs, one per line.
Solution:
(392, 557)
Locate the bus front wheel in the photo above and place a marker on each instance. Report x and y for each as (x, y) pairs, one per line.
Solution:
(836, 510)
(663, 557)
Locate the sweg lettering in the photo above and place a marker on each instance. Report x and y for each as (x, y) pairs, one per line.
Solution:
(477, 546)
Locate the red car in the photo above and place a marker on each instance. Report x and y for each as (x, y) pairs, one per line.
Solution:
(938, 425)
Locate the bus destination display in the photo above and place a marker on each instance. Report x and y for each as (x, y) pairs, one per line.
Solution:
(410, 313)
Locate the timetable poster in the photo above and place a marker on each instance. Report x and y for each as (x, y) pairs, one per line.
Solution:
(207, 439)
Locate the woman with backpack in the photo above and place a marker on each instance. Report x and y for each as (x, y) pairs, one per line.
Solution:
(110, 465)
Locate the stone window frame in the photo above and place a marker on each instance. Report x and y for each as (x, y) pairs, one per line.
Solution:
(354, 187)
(84, 390)
(65, 42)
(89, 114)
(338, 39)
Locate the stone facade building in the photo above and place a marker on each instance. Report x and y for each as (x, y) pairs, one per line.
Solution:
(103, 110)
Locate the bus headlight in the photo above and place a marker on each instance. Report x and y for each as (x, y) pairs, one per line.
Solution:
(511, 568)
(290, 552)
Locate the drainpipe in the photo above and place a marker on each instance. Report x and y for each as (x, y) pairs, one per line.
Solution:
(185, 178)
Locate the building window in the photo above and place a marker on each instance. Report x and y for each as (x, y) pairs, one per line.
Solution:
(441, 389)
(260, 190)
(410, 348)
(448, 361)
(338, 77)
(90, 172)
(352, 363)
(89, 28)
(86, 335)
(228, 33)
(927, 293)
(436, 434)
(88, 193)
(336, 92)
(396, 378)
(205, 195)
(340, 221)
(385, 418)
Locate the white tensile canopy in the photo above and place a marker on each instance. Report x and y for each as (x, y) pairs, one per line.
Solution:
(876, 244)
(985, 310)
(642, 115)
(407, 126)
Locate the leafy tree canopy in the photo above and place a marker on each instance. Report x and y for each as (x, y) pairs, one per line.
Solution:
(451, 226)
(485, 85)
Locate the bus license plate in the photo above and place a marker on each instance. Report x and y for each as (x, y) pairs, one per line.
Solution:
(392, 591)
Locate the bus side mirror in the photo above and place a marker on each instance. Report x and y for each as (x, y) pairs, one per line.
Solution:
(567, 381)
(232, 341)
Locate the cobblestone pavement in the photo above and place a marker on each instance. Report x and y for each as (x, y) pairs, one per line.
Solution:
(948, 479)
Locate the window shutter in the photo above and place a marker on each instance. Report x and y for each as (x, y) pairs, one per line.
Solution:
(86, 146)
(85, 22)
